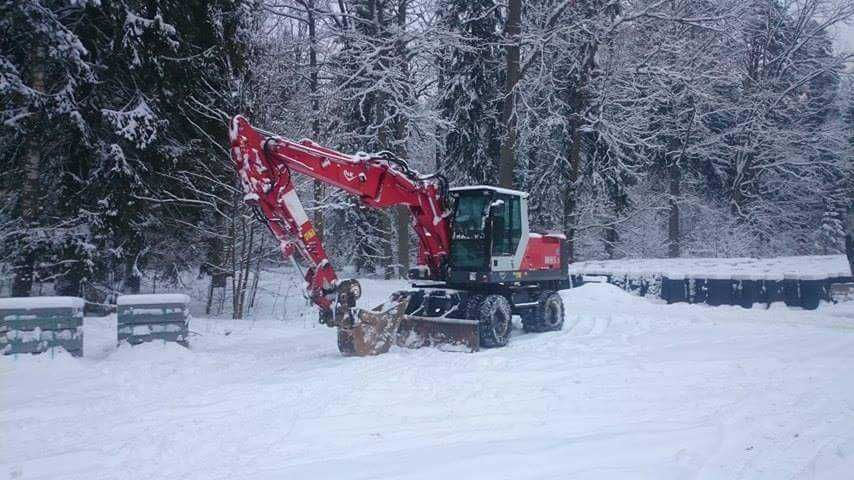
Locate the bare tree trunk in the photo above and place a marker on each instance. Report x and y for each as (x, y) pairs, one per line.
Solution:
(384, 221)
(570, 214)
(22, 282)
(313, 86)
(402, 212)
(383, 140)
(215, 265)
(256, 277)
(440, 131)
(674, 235)
(132, 281)
(849, 237)
(674, 229)
(235, 278)
(317, 220)
(246, 260)
(210, 298)
(507, 162)
(402, 224)
(611, 234)
(575, 119)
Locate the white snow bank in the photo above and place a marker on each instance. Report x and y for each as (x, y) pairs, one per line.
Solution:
(153, 299)
(154, 351)
(814, 267)
(41, 302)
(605, 296)
(100, 336)
(52, 363)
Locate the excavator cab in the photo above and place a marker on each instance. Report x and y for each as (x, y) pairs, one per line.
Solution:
(492, 243)
(487, 228)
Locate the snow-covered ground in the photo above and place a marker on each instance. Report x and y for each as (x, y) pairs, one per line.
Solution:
(630, 389)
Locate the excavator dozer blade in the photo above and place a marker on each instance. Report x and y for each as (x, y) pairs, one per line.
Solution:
(373, 331)
(446, 334)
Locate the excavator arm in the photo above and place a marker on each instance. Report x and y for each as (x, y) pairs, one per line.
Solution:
(266, 164)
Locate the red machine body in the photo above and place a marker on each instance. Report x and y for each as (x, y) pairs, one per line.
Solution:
(542, 252)
(266, 164)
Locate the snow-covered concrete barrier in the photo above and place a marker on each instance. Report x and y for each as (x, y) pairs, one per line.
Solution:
(797, 281)
(143, 318)
(39, 324)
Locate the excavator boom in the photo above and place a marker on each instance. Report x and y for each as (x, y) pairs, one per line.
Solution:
(266, 163)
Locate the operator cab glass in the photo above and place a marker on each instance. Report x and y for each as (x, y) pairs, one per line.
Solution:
(506, 221)
(469, 242)
(487, 223)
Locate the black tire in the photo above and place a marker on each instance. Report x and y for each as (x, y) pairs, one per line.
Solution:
(471, 307)
(496, 321)
(547, 316)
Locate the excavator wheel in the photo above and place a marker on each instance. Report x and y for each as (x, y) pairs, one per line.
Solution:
(496, 321)
(471, 308)
(547, 316)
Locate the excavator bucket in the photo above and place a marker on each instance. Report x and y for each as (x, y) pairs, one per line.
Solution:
(374, 331)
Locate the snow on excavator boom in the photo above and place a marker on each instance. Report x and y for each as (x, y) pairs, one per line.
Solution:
(266, 163)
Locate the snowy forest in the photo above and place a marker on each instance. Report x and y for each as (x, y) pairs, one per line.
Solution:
(640, 128)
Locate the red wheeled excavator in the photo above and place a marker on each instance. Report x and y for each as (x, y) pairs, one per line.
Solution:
(478, 262)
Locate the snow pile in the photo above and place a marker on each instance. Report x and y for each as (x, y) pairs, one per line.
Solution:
(629, 389)
(153, 299)
(27, 368)
(29, 303)
(815, 267)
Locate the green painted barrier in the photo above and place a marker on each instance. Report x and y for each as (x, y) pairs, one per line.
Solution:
(40, 324)
(144, 318)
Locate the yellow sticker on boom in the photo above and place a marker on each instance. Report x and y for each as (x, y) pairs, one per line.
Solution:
(309, 235)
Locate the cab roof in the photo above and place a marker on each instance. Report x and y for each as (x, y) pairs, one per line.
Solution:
(505, 191)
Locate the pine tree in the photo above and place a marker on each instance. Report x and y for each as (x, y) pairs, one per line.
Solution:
(133, 95)
(45, 77)
(372, 76)
(472, 72)
(166, 80)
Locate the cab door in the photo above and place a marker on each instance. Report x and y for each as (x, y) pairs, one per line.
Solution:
(506, 232)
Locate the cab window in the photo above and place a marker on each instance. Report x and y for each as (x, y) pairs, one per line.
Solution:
(469, 245)
(506, 224)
